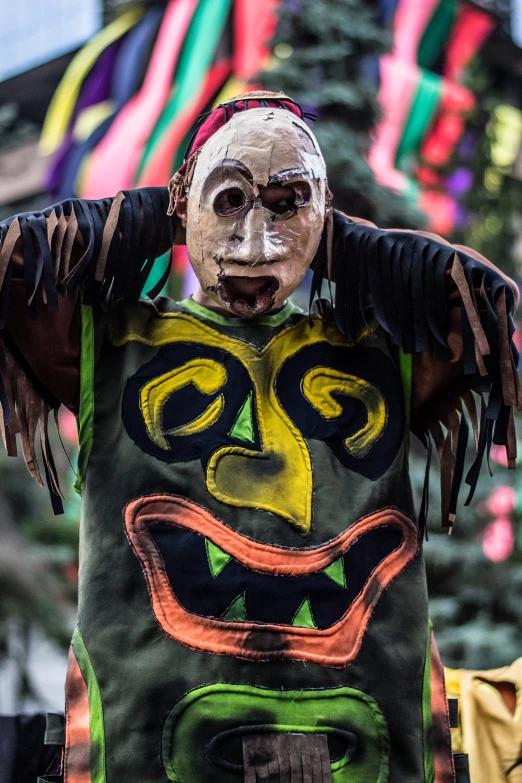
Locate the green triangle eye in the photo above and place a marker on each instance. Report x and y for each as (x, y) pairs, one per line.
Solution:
(236, 612)
(217, 559)
(303, 617)
(336, 572)
(243, 428)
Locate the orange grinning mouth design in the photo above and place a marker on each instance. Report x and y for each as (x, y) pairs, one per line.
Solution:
(295, 604)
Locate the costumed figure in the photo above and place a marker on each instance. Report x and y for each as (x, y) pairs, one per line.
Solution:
(252, 593)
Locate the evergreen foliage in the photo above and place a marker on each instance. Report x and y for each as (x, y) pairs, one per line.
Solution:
(38, 566)
(474, 602)
(14, 129)
(325, 58)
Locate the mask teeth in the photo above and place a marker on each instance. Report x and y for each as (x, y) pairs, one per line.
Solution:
(335, 572)
(236, 612)
(304, 618)
(217, 558)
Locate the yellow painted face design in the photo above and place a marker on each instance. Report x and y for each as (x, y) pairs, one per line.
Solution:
(207, 377)
(247, 412)
(319, 386)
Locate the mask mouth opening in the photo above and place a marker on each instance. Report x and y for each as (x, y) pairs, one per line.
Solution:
(247, 296)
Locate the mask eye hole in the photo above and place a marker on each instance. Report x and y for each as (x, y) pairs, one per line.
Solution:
(229, 202)
(277, 198)
(280, 198)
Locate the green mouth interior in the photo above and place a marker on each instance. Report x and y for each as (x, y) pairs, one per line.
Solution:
(198, 736)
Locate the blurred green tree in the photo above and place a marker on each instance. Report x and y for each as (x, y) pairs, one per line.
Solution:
(38, 565)
(325, 58)
(474, 601)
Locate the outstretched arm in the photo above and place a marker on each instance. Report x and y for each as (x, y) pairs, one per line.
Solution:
(453, 311)
(97, 252)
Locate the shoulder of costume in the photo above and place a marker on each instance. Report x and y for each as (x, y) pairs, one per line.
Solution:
(406, 281)
(106, 247)
(114, 242)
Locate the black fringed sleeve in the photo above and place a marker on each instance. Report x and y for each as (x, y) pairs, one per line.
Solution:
(453, 311)
(95, 252)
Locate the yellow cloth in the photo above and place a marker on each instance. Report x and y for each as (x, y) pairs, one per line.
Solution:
(488, 731)
(90, 119)
(66, 95)
(233, 87)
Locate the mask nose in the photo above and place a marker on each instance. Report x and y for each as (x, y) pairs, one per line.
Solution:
(253, 247)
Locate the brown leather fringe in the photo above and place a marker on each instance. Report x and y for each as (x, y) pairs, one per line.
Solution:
(286, 758)
(108, 233)
(509, 379)
(65, 251)
(466, 294)
(29, 412)
(469, 401)
(509, 385)
(9, 242)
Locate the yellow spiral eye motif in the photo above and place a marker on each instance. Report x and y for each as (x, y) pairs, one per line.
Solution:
(275, 474)
(206, 375)
(320, 383)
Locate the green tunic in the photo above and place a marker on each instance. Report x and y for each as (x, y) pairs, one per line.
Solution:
(249, 559)
(251, 571)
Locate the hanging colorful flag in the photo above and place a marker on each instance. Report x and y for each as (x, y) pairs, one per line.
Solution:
(424, 112)
(193, 69)
(64, 99)
(115, 161)
(131, 96)
(94, 122)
